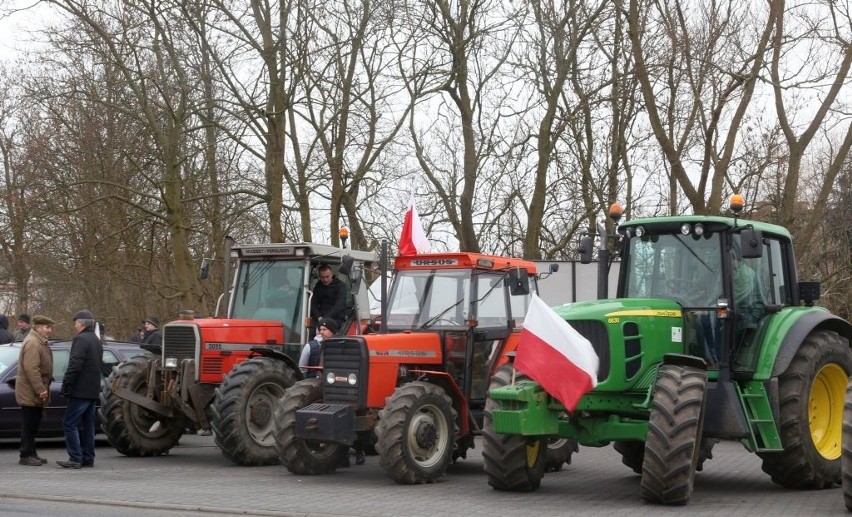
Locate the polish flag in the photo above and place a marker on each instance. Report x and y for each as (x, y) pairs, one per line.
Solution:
(413, 239)
(555, 355)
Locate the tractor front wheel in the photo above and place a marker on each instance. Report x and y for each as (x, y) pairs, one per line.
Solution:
(673, 444)
(811, 394)
(300, 456)
(243, 407)
(130, 428)
(416, 433)
(512, 462)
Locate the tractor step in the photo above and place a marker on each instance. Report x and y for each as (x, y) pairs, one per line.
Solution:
(758, 412)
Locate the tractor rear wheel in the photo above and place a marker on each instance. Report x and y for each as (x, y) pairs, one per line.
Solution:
(242, 410)
(673, 444)
(416, 433)
(810, 394)
(512, 462)
(130, 428)
(846, 457)
(300, 456)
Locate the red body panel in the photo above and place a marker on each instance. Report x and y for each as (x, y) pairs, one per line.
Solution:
(462, 261)
(225, 343)
(388, 351)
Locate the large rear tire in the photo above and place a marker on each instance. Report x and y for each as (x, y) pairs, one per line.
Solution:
(416, 433)
(674, 433)
(242, 410)
(512, 462)
(305, 458)
(130, 428)
(846, 456)
(811, 396)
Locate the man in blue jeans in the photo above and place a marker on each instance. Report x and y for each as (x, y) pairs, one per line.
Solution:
(82, 387)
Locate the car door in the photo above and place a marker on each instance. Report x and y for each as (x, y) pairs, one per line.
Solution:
(51, 421)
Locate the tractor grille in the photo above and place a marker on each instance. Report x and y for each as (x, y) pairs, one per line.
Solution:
(595, 331)
(343, 357)
(180, 341)
(211, 366)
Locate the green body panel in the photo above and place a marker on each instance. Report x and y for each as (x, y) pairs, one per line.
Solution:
(709, 219)
(760, 353)
(659, 326)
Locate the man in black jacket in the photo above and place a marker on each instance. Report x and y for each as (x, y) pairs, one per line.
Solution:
(5, 335)
(329, 299)
(82, 387)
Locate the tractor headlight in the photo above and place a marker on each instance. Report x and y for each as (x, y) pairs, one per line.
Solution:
(171, 362)
(329, 378)
(685, 229)
(352, 379)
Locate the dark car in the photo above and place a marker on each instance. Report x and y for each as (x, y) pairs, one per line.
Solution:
(51, 423)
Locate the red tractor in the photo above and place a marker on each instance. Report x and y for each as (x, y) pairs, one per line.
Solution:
(420, 384)
(227, 374)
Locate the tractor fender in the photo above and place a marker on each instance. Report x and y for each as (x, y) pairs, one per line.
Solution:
(808, 321)
(685, 360)
(281, 356)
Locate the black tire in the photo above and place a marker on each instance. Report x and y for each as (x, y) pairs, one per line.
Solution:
(632, 454)
(130, 428)
(512, 462)
(810, 395)
(242, 410)
(305, 458)
(674, 434)
(846, 457)
(416, 433)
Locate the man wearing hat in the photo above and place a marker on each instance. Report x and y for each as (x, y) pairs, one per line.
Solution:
(311, 352)
(23, 327)
(82, 387)
(32, 386)
(152, 331)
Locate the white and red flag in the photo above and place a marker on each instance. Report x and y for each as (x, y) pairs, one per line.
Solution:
(413, 239)
(555, 355)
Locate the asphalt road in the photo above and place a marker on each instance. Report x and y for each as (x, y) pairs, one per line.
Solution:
(195, 478)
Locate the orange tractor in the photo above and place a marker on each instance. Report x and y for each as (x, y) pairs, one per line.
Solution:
(418, 386)
(227, 374)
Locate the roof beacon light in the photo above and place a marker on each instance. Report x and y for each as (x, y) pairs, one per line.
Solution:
(737, 204)
(344, 235)
(616, 211)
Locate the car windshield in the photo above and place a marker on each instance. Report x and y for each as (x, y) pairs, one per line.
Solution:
(8, 355)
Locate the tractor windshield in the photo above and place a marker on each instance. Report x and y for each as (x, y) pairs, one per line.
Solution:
(271, 290)
(430, 298)
(684, 268)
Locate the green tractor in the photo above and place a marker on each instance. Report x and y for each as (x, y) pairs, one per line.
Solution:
(710, 337)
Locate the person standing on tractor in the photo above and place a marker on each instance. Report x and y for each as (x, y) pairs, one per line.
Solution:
(311, 351)
(329, 299)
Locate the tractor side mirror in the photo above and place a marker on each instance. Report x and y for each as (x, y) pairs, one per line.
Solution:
(751, 242)
(553, 268)
(205, 270)
(519, 281)
(346, 265)
(809, 292)
(587, 247)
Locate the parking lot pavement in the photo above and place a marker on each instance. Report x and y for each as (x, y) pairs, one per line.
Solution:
(196, 477)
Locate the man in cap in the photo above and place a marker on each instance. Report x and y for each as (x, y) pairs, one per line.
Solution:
(23, 327)
(82, 387)
(311, 351)
(32, 387)
(152, 331)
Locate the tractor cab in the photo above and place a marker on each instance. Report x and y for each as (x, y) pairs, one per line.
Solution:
(473, 302)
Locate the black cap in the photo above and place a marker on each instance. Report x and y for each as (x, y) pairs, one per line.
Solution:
(25, 318)
(330, 324)
(153, 320)
(84, 315)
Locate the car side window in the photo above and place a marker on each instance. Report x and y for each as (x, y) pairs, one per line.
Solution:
(109, 359)
(60, 364)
